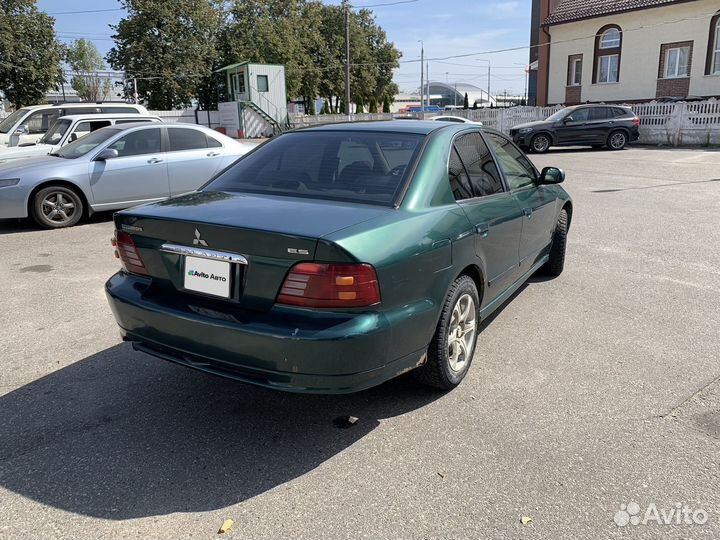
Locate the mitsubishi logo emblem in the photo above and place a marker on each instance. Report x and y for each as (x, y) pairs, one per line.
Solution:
(197, 241)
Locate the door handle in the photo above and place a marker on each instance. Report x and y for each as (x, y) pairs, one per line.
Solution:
(213, 154)
(154, 160)
(527, 212)
(483, 229)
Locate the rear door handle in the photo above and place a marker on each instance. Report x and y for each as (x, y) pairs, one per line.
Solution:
(213, 154)
(527, 212)
(155, 160)
(483, 229)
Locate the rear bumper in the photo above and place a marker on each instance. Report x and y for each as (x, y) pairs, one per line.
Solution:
(286, 349)
(634, 133)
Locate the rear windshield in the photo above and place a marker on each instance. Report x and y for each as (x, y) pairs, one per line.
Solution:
(356, 166)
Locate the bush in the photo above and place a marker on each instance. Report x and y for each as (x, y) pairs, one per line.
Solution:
(373, 105)
(311, 108)
(466, 102)
(386, 104)
(359, 105)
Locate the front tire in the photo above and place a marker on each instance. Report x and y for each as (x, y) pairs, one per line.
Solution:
(617, 140)
(55, 207)
(556, 262)
(453, 345)
(540, 143)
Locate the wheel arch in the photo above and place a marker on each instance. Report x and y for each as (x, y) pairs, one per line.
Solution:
(474, 272)
(87, 211)
(568, 207)
(548, 133)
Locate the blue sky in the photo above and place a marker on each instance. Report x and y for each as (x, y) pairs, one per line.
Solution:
(449, 28)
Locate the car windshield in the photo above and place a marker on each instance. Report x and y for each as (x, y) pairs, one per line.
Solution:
(7, 124)
(557, 116)
(56, 132)
(86, 143)
(357, 166)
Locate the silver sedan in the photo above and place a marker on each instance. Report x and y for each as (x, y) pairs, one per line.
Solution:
(112, 168)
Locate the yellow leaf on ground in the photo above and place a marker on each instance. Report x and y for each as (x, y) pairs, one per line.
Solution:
(226, 526)
(525, 520)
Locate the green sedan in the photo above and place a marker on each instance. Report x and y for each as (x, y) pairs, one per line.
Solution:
(335, 258)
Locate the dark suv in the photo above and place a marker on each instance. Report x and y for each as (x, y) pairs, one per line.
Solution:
(593, 125)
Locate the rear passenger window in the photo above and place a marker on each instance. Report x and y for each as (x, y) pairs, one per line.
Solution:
(139, 121)
(119, 110)
(600, 113)
(213, 143)
(620, 112)
(479, 165)
(186, 139)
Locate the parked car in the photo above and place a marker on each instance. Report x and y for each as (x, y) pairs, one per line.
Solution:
(611, 126)
(111, 168)
(456, 119)
(334, 258)
(67, 129)
(28, 124)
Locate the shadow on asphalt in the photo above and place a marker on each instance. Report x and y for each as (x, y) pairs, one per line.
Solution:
(122, 435)
(13, 226)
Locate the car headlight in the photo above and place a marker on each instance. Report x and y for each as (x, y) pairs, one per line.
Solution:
(524, 130)
(9, 182)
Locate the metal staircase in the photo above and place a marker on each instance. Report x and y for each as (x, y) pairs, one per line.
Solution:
(276, 126)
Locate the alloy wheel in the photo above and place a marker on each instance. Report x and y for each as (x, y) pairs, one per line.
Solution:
(58, 207)
(461, 334)
(617, 140)
(540, 143)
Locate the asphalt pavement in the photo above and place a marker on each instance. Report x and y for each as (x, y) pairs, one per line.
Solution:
(587, 392)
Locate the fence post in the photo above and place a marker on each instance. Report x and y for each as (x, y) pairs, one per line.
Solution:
(675, 123)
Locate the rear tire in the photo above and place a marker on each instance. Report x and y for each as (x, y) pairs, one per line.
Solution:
(617, 140)
(540, 143)
(55, 207)
(453, 345)
(556, 262)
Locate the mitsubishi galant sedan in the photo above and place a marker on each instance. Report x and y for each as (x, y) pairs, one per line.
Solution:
(335, 258)
(114, 167)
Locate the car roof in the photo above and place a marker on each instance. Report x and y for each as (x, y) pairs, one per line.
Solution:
(421, 127)
(84, 104)
(108, 116)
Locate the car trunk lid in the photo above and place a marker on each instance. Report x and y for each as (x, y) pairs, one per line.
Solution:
(271, 233)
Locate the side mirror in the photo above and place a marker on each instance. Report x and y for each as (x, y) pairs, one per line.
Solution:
(22, 129)
(551, 175)
(567, 120)
(108, 153)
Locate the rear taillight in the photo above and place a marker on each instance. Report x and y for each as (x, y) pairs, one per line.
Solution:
(128, 254)
(636, 121)
(330, 285)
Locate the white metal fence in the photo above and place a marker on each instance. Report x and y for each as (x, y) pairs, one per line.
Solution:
(671, 124)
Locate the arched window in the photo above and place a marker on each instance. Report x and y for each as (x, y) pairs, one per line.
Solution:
(608, 46)
(712, 66)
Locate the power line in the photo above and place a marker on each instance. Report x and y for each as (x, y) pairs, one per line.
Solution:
(82, 11)
(388, 4)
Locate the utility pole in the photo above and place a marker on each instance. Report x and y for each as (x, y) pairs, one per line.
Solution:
(422, 75)
(135, 94)
(488, 83)
(427, 84)
(347, 59)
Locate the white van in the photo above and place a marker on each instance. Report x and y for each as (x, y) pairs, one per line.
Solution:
(28, 124)
(66, 129)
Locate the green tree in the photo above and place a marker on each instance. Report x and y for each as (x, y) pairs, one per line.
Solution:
(360, 105)
(386, 104)
(30, 54)
(170, 47)
(311, 108)
(373, 105)
(85, 60)
(466, 104)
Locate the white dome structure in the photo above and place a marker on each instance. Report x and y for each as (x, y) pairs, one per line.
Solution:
(444, 94)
